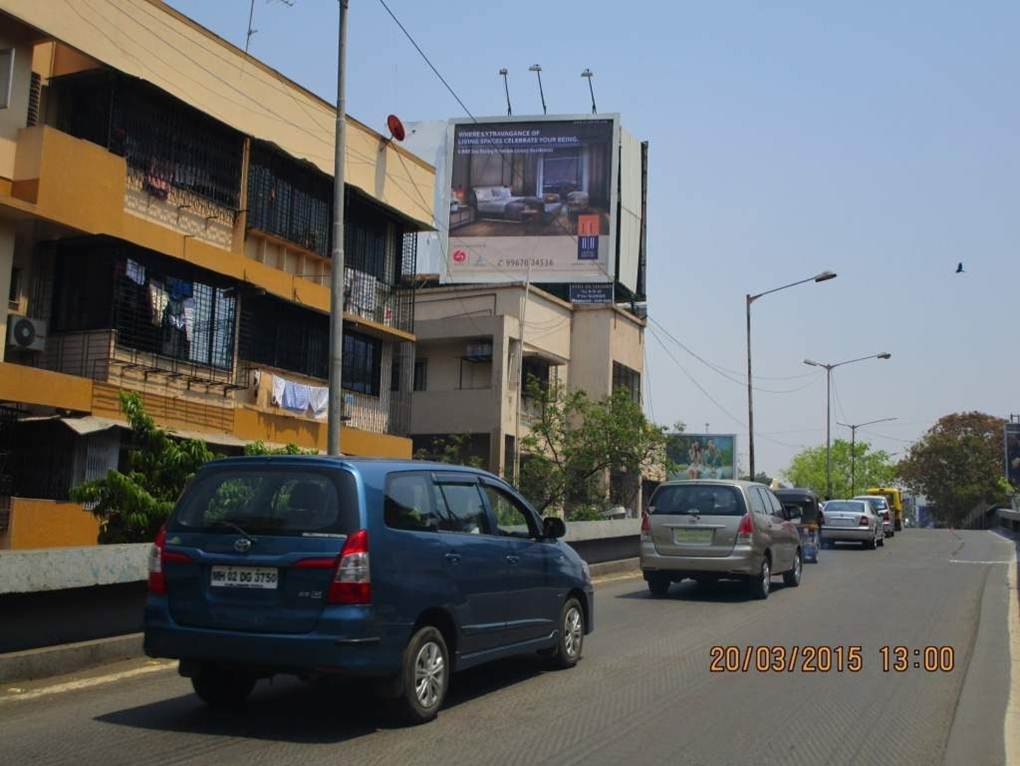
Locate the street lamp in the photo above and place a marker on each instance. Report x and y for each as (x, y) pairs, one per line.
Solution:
(506, 87)
(853, 443)
(828, 409)
(587, 74)
(537, 69)
(825, 276)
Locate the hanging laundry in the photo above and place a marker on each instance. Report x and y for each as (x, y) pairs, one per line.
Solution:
(175, 338)
(189, 317)
(135, 272)
(295, 396)
(278, 384)
(318, 399)
(179, 288)
(158, 299)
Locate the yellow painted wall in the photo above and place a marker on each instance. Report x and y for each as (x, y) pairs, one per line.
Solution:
(252, 424)
(50, 524)
(31, 385)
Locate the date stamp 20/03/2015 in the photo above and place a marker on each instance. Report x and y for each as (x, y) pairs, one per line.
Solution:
(824, 658)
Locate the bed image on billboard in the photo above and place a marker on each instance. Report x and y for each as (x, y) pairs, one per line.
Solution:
(533, 195)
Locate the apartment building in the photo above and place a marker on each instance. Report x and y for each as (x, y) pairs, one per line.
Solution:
(469, 340)
(165, 226)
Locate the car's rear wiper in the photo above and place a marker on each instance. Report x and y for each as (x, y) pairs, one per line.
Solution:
(236, 527)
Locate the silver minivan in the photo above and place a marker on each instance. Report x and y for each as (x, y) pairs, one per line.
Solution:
(708, 530)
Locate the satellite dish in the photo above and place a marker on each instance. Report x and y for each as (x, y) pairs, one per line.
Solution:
(396, 127)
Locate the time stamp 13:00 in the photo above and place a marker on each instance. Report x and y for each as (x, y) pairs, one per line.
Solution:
(824, 658)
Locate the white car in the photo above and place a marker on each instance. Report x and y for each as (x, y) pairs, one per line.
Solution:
(852, 521)
(881, 506)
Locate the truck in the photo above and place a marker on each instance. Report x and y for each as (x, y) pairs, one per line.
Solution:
(895, 498)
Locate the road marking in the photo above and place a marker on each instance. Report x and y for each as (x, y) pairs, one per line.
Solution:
(18, 695)
(964, 561)
(1011, 725)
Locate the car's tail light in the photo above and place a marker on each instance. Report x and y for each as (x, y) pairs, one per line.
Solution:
(352, 583)
(863, 522)
(646, 526)
(746, 530)
(159, 557)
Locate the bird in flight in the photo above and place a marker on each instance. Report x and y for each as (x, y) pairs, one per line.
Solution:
(959, 268)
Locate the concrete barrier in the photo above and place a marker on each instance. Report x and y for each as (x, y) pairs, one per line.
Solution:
(49, 569)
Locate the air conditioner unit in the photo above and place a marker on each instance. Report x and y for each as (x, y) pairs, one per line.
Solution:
(26, 333)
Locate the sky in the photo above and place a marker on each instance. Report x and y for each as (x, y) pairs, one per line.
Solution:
(879, 140)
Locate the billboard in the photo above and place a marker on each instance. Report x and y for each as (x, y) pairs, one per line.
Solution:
(1012, 444)
(702, 456)
(533, 194)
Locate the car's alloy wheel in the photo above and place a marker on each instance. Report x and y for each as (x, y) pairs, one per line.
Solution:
(425, 675)
(571, 640)
(760, 585)
(792, 578)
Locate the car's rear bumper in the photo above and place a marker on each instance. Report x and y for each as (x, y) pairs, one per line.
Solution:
(741, 561)
(849, 533)
(356, 652)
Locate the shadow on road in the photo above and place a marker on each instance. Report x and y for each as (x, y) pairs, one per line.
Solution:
(329, 711)
(721, 592)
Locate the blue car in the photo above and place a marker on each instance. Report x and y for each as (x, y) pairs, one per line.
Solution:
(397, 571)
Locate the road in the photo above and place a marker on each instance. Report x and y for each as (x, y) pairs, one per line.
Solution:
(643, 693)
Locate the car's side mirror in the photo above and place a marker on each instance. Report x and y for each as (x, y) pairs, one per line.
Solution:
(553, 527)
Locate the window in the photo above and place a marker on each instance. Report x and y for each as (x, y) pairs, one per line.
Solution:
(395, 374)
(421, 374)
(627, 379)
(6, 77)
(408, 503)
(361, 362)
(757, 502)
(512, 518)
(277, 502)
(774, 504)
(707, 500)
(461, 505)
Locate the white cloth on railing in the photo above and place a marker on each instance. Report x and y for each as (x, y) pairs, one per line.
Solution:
(318, 399)
(295, 396)
(278, 384)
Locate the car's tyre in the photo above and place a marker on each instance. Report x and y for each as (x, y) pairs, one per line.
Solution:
(869, 544)
(758, 586)
(571, 642)
(425, 672)
(792, 578)
(221, 686)
(892, 533)
(881, 542)
(658, 585)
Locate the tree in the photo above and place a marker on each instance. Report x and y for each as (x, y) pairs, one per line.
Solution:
(132, 506)
(454, 449)
(958, 465)
(761, 477)
(870, 468)
(576, 444)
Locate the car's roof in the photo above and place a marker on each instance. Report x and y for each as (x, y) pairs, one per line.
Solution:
(711, 482)
(368, 466)
(870, 497)
(846, 500)
(796, 492)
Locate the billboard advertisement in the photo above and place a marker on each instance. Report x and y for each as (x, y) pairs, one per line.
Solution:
(702, 456)
(1013, 454)
(534, 195)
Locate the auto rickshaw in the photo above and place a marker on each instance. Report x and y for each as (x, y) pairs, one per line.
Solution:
(803, 509)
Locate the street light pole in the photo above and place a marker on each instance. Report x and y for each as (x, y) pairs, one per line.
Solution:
(537, 69)
(334, 412)
(853, 448)
(748, 300)
(828, 409)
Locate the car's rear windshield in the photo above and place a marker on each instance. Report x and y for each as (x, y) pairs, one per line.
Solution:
(701, 499)
(274, 501)
(847, 506)
(878, 503)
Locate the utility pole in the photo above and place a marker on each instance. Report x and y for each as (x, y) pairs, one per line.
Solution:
(520, 380)
(853, 449)
(336, 282)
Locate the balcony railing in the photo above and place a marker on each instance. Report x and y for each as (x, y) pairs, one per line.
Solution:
(173, 151)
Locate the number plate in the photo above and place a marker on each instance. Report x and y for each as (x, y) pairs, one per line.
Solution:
(263, 578)
(697, 536)
(844, 522)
